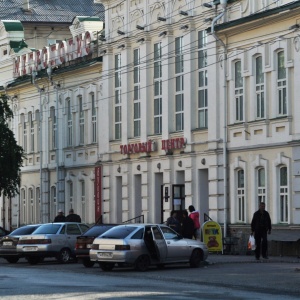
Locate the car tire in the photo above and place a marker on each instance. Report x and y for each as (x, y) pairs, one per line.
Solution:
(88, 263)
(142, 263)
(12, 260)
(196, 259)
(106, 266)
(34, 260)
(64, 255)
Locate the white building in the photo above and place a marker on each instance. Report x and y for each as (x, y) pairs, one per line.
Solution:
(196, 105)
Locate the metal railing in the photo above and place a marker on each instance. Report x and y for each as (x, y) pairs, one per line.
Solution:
(138, 219)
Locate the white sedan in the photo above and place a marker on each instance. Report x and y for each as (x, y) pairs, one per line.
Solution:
(142, 245)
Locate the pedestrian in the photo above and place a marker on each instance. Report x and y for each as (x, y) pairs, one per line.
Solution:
(173, 222)
(261, 226)
(72, 217)
(194, 215)
(187, 226)
(60, 217)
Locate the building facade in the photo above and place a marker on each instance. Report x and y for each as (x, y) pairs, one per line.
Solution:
(196, 105)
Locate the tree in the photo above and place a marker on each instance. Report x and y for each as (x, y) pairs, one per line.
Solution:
(11, 154)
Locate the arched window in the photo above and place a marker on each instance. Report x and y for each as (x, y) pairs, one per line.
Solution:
(238, 92)
(259, 88)
(31, 205)
(23, 203)
(284, 199)
(281, 84)
(241, 195)
(261, 185)
(83, 202)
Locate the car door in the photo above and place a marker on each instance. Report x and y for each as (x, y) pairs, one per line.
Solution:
(160, 244)
(178, 248)
(72, 232)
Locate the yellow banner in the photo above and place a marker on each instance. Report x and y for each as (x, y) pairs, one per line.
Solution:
(212, 236)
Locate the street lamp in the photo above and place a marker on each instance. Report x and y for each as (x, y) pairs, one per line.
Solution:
(56, 86)
(224, 6)
(41, 90)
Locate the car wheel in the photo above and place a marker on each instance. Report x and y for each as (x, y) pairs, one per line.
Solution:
(12, 260)
(106, 266)
(142, 263)
(34, 260)
(64, 255)
(196, 259)
(88, 263)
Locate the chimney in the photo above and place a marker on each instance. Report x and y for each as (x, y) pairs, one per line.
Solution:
(26, 5)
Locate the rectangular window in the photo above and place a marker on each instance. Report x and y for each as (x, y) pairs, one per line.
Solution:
(81, 121)
(38, 120)
(83, 200)
(241, 195)
(283, 194)
(179, 86)
(118, 102)
(54, 127)
(136, 98)
(23, 199)
(69, 124)
(71, 193)
(238, 91)
(202, 81)
(94, 119)
(281, 84)
(31, 124)
(259, 88)
(24, 135)
(157, 89)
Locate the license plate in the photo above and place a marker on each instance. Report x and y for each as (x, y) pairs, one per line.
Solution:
(30, 248)
(105, 254)
(7, 243)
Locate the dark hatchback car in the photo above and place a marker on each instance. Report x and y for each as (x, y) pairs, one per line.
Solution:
(3, 231)
(85, 241)
(8, 244)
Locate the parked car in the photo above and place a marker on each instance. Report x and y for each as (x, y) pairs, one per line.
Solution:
(142, 245)
(8, 244)
(51, 240)
(85, 241)
(3, 232)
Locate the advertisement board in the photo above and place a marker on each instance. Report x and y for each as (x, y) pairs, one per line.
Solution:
(212, 236)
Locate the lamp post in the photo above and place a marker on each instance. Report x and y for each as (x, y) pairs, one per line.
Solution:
(56, 86)
(41, 91)
(224, 6)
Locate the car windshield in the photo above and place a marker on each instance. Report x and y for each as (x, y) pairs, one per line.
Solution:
(24, 230)
(98, 230)
(47, 229)
(118, 232)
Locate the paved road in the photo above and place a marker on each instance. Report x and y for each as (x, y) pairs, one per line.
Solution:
(222, 277)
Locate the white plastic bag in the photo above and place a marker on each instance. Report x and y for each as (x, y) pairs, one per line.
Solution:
(251, 243)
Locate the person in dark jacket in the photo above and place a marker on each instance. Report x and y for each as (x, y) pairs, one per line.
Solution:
(187, 226)
(261, 226)
(173, 222)
(60, 217)
(72, 217)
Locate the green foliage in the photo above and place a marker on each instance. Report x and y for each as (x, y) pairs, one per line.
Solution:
(11, 154)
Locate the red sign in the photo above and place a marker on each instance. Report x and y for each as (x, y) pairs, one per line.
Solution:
(98, 197)
(177, 143)
(137, 148)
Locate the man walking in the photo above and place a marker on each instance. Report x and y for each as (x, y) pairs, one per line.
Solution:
(261, 226)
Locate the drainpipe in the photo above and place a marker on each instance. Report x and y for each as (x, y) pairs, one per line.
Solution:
(224, 4)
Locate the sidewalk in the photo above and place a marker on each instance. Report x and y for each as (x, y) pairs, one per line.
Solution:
(214, 258)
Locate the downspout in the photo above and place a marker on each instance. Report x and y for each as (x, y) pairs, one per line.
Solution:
(225, 112)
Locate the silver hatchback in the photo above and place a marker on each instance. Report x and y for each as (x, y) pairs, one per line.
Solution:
(142, 245)
(51, 240)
